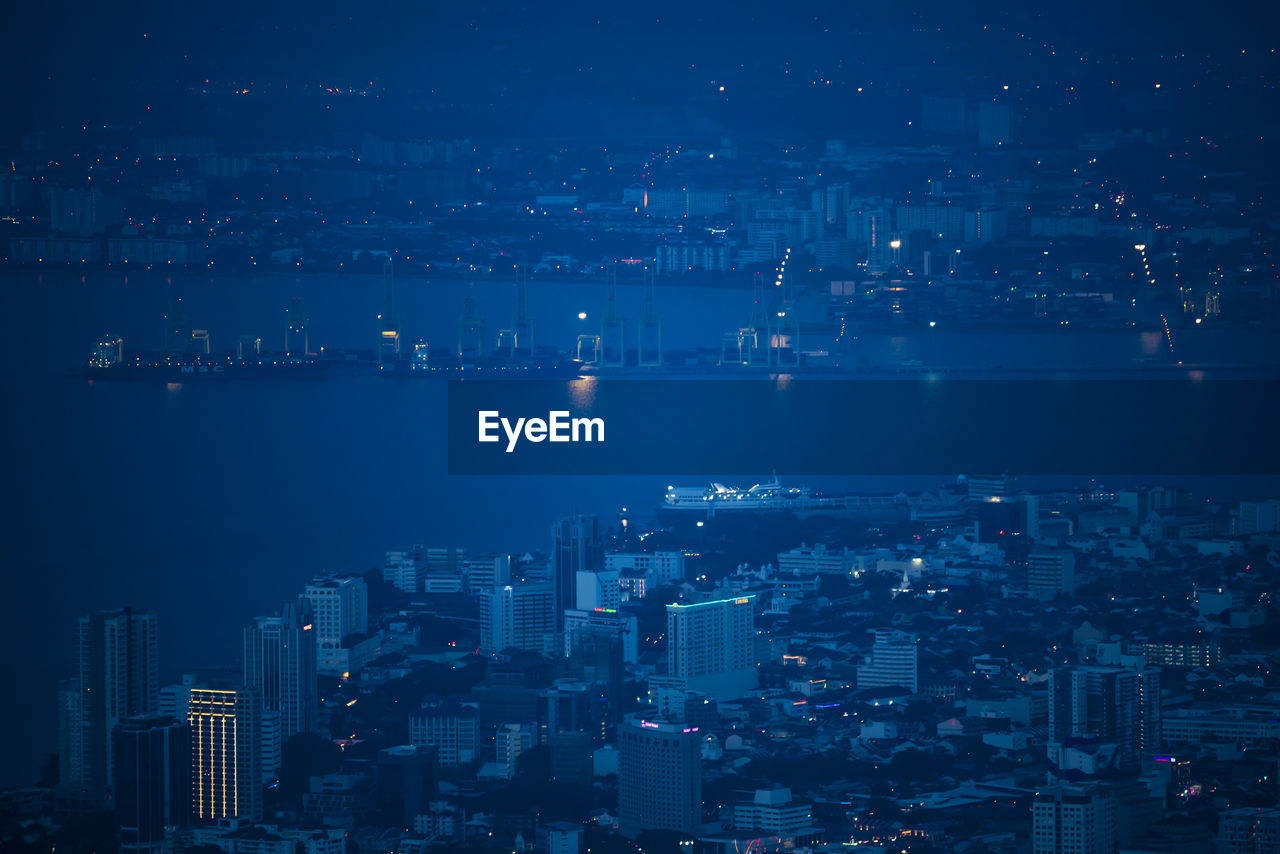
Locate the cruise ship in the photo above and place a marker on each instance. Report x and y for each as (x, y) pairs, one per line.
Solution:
(771, 495)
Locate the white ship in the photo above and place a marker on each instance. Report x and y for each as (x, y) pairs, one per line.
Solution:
(716, 497)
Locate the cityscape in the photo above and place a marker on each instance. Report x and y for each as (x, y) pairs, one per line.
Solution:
(258, 606)
(976, 667)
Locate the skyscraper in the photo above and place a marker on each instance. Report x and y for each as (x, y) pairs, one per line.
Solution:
(569, 706)
(1073, 820)
(153, 781)
(892, 663)
(280, 662)
(339, 607)
(70, 740)
(659, 777)
(578, 547)
(711, 646)
(226, 777)
(1113, 705)
(518, 616)
(581, 623)
(118, 678)
(406, 782)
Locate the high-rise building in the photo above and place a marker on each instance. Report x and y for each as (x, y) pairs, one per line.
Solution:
(580, 623)
(519, 616)
(563, 837)
(996, 517)
(511, 741)
(569, 706)
(485, 573)
(1259, 516)
(773, 812)
(662, 566)
(988, 487)
(1192, 654)
(339, 608)
(226, 739)
(1112, 705)
(451, 728)
(118, 679)
(1050, 572)
(1073, 820)
(1136, 809)
(70, 739)
(659, 777)
(597, 590)
(280, 662)
(444, 559)
(272, 745)
(711, 646)
(868, 223)
(153, 781)
(578, 547)
(598, 656)
(406, 783)
(404, 570)
(818, 559)
(1249, 830)
(892, 663)
(173, 698)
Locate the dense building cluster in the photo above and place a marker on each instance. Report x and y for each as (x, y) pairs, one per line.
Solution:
(978, 668)
(978, 201)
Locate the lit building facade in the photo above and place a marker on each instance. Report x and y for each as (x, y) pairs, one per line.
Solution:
(226, 775)
(893, 663)
(659, 777)
(711, 646)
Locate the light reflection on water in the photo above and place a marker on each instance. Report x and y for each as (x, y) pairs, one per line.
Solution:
(582, 392)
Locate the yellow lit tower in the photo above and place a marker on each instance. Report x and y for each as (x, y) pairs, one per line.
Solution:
(226, 735)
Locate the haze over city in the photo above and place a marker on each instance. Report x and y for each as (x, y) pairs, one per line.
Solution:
(792, 270)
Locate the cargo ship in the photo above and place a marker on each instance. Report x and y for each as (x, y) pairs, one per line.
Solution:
(108, 362)
(422, 363)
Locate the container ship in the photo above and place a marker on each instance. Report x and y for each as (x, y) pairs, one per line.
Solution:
(108, 362)
(421, 363)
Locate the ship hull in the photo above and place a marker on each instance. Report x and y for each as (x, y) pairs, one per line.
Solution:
(206, 372)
